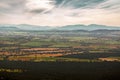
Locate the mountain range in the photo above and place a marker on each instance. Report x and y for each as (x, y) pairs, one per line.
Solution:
(65, 28)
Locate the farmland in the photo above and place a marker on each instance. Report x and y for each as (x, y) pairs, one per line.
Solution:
(49, 53)
(54, 45)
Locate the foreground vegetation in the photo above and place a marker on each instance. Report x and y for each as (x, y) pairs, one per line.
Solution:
(61, 70)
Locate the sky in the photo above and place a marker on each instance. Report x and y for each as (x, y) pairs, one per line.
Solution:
(60, 12)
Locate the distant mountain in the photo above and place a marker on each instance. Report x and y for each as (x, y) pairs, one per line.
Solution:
(8, 28)
(65, 28)
(88, 27)
(32, 27)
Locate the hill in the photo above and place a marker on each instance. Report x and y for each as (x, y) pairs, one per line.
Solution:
(27, 27)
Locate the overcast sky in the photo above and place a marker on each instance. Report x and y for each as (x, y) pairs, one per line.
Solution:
(60, 12)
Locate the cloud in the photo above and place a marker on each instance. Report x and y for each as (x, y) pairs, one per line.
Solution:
(111, 5)
(81, 3)
(60, 12)
(14, 6)
(3, 5)
(39, 6)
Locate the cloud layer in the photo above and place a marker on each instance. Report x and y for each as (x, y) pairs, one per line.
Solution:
(60, 12)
